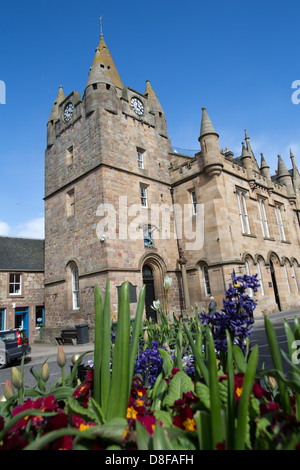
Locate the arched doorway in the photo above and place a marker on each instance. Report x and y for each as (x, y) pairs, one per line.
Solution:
(148, 280)
(275, 288)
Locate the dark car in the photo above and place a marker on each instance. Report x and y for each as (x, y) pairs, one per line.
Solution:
(13, 344)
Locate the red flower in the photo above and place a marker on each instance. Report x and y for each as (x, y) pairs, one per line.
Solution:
(268, 407)
(149, 422)
(185, 419)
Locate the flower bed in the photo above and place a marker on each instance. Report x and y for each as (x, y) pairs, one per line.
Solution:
(205, 393)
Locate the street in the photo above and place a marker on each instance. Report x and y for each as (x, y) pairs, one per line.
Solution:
(258, 336)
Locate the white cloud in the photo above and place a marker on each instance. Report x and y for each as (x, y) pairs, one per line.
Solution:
(32, 229)
(4, 229)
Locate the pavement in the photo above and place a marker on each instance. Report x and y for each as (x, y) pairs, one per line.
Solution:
(43, 351)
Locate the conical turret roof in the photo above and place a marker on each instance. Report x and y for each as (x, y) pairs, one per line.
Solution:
(153, 103)
(103, 68)
(206, 124)
(263, 163)
(59, 99)
(282, 169)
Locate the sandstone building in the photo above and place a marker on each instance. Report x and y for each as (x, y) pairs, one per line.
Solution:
(22, 284)
(120, 204)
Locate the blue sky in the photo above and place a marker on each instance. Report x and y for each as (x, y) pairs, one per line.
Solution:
(238, 58)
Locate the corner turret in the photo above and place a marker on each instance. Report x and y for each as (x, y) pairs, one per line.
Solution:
(54, 116)
(155, 108)
(284, 177)
(103, 82)
(209, 141)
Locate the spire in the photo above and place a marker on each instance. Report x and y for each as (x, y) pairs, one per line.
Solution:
(153, 103)
(206, 124)
(263, 163)
(103, 68)
(245, 152)
(282, 169)
(59, 99)
(155, 108)
(296, 175)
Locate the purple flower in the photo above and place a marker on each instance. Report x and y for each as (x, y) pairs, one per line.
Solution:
(148, 363)
(236, 315)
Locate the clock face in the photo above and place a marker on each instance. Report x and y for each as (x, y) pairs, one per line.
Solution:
(68, 111)
(138, 106)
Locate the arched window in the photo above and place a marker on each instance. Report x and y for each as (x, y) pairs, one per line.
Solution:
(247, 269)
(75, 288)
(294, 275)
(260, 278)
(287, 277)
(206, 280)
(72, 286)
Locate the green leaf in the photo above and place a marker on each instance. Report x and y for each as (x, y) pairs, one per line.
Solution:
(202, 392)
(164, 417)
(215, 400)
(98, 303)
(198, 359)
(161, 440)
(119, 389)
(167, 362)
(136, 332)
(276, 358)
(178, 351)
(143, 438)
(203, 423)
(106, 352)
(242, 421)
(74, 407)
(239, 358)
(180, 383)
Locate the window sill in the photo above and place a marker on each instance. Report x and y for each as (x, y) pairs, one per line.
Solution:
(270, 239)
(285, 241)
(249, 235)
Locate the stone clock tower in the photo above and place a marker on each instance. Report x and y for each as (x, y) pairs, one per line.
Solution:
(115, 208)
(106, 164)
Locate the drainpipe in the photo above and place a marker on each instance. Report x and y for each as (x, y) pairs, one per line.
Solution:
(182, 261)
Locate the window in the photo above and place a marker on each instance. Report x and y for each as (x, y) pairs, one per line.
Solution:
(69, 158)
(287, 277)
(75, 288)
(39, 316)
(243, 212)
(206, 281)
(260, 278)
(70, 202)
(194, 202)
(263, 218)
(143, 195)
(294, 275)
(247, 269)
(140, 159)
(280, 223)
(15, 284)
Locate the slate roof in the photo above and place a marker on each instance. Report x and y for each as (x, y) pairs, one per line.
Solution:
(21, 254)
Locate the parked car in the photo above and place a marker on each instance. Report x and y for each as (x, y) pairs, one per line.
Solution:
(13, 344)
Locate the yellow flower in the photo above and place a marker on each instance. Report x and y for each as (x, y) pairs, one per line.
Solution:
(131, 413)
(125, 432)
(238, 391)
(83, 427)
(189, 424)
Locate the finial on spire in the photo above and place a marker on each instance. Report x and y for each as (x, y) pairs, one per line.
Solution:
(101, 26)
